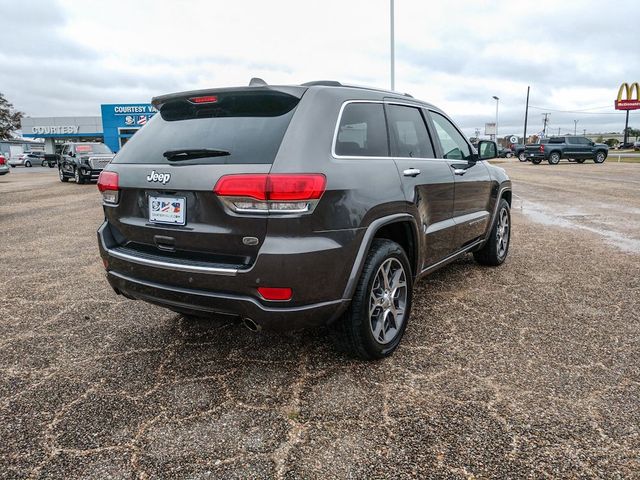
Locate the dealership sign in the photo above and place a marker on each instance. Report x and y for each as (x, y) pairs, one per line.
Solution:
(628, 103)
(55, 129)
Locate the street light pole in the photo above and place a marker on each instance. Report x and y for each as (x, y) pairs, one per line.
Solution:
(497, 102)
(575, 128)
(393, 53)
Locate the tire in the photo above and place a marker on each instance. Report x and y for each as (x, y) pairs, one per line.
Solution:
(495, 251)
(27, 164)
(600, 157)
(536, 161)
(43, 163)
(509, 155)
(77, 177)
(554, 158)
(580, 160)
(522, 157)
(62, 176)
(362, 334)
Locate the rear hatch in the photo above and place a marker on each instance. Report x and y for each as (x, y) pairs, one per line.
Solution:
(167, 172)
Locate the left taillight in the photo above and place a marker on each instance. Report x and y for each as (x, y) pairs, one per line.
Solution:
(2, 160)
(108, 186)
(271, 193)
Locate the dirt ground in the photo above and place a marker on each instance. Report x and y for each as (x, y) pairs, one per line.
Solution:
(527, 370)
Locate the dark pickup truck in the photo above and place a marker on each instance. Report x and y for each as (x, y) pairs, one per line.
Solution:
(572, 148)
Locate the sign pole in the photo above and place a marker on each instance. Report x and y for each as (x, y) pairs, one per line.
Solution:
(393, 53)
(626, 129)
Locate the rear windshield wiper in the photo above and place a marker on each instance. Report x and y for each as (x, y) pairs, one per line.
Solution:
(189, 153)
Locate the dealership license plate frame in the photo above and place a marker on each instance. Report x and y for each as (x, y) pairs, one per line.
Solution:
(174, 219)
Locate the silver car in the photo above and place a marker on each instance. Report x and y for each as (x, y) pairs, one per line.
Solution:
(28, 159)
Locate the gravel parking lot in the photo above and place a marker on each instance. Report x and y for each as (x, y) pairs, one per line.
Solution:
(528, 370)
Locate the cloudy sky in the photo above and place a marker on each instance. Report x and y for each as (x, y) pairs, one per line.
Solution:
(66, 57)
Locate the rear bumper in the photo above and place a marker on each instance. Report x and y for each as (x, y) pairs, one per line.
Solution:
(202, 302)
(531, 155)
(198, 288)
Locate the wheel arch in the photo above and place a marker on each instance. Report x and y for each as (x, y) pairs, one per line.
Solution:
(402, 229)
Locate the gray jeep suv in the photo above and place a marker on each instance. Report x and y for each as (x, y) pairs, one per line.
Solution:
(295, 206)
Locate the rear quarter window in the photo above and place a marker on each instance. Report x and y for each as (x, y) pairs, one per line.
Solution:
(362, 131)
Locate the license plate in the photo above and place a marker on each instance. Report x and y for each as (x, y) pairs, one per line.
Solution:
(167, 210)
(531, 154)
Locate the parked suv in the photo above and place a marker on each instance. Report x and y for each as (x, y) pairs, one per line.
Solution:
(573, 148)
(295, 206)
(82, 161)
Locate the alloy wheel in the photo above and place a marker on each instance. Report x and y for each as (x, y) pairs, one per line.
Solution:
(502, 239)
(388, 301)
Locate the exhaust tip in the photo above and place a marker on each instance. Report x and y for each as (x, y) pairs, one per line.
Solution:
(250, 324)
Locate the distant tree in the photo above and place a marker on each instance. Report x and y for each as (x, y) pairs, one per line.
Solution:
(632, 132)
(600, 139)
(9, 118)
(612, 142)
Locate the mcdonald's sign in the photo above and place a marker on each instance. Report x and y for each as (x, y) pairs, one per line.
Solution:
(629, 103)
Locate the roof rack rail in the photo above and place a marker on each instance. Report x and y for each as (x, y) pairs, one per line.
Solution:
(325, 83)
(334, 83)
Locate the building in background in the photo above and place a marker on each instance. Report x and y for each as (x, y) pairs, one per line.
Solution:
(117, 124)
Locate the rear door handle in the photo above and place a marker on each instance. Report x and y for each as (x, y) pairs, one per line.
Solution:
(411, 172)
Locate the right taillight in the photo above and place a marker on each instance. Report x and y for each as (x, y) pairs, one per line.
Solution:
(2, 160)
(108, 186)
(271, 193)
(542, 148)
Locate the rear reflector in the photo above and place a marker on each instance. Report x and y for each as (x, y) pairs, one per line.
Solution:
(108, 186)
(204, 99)
(275, 293)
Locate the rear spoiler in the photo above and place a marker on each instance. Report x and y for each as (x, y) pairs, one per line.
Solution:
(294, 91)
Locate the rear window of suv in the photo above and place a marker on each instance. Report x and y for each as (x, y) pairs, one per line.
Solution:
(248, 125)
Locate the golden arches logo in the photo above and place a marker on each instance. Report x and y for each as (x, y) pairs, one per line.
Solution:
(628, 103)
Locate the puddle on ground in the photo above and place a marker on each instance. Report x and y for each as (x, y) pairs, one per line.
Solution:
(570, 219)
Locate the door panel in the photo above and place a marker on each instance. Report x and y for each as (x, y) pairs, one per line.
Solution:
(471, 205)
(471, 177)
(427, 182)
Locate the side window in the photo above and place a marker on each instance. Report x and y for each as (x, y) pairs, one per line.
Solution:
(584, 141)
(362, 131)
(454, 146)
(573, 141)
(65, 150)
(409, 136)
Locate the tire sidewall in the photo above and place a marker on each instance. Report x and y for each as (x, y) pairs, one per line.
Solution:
(522, 157)
(604, 157)
(388, 250)
(554, 159)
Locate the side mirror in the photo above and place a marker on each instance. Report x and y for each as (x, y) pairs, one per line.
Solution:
(487, 149)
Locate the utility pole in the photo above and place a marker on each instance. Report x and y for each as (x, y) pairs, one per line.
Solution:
(575, 128)
(558, 131)
(526, 117)
(544, 125)
(584, 132)
(393, 48)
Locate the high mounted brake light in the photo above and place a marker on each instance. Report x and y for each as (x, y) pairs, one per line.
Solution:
(263, 193)
(204, 99)
(108, 186)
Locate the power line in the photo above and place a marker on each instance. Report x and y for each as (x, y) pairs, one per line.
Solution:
(578, 112)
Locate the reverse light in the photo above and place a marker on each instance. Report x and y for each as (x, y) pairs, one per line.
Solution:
(108, 186)
(275, 293)
(204, 99)
(271, 193)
